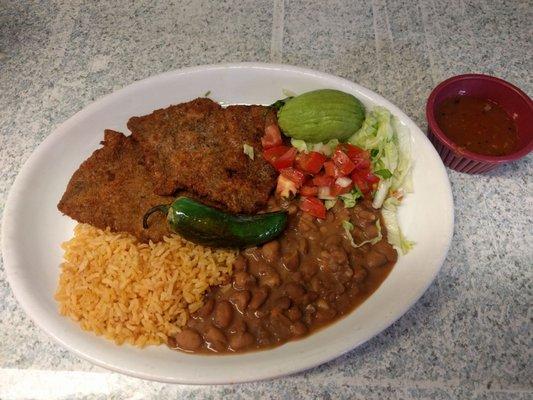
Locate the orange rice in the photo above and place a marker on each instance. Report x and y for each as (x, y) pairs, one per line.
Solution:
(133, 292)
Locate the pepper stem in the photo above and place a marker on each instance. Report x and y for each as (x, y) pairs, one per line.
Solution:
(160, 208)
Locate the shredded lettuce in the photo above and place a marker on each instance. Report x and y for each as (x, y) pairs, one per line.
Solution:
(389, 146)
(348, 228)
(325, 148)
(248, 150)
(350, 199)
(299, 145)
(394, 233)
(330, 203)
(383, 173)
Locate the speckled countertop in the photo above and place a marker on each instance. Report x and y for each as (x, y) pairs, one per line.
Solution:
(469, 336)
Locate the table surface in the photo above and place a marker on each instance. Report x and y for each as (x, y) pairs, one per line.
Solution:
(468, 337)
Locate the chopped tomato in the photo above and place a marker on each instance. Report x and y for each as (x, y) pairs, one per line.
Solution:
(286, 160)
(343, 162)
(307, 190)
(354, 151)
(361, 183)
(337, 190)
(313, 206)
(294, 175)
(280, 156)
(274, 153)
(272, 137)
(285, 187)
(360, 157)
(332, 170)
(323, 180)
(371, 178)
(362, 164)
(311, 162)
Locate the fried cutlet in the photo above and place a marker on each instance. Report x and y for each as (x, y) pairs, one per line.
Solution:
(112, 188)
(198, 146)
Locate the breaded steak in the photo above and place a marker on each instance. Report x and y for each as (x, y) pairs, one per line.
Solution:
(198, 146)
(113, 188)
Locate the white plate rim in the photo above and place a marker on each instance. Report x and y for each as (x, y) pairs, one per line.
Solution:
(24, 300)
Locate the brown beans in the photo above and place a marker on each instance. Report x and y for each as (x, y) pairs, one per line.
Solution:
(291, 259)
(309, 297)
(241, 280)
(290, 286)
(294, 313)
(270, 278)
(281, 303)
(309, 268)
(241, 340)
(240, 300)
(387, 250)
(323, 315)
(295, 291)
(259, 295)
(240, 264)
(367, 216)
(207, 309)
(298, 328)
(303, 245)
(339, 255)
(216, 339)
(371, 232)
(223, 314)
(359, 274)
(374, 259)
(271, 251)
(189, 340)
(327, 263)
(237, 326)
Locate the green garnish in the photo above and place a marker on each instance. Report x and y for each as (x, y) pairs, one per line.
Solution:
(248, 150)
(330, 203)
(384, 173)
(350, 199)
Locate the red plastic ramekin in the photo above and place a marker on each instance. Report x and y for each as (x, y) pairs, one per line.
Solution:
(513, 100)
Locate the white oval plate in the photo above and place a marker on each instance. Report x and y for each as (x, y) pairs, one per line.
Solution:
(33, 229)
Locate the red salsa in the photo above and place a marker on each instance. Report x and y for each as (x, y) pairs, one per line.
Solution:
(479, 125)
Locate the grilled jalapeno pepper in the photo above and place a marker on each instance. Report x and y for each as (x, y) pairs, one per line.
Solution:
(210, 227)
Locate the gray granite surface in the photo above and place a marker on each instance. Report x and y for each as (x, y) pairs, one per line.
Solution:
(469, 337)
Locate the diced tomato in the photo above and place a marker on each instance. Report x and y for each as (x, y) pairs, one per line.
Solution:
(313, 206)
(286, 160)
(362, 164)
(354, 151)
(361, 183)
(274, 153)
(294, 175)
(337, 190)
(307, 190)
(343, 162)
(371, 178)
(332, 170)
(272, 137)
(280, 156)
(323, 180)
(311, 162)
(285, 187)
(360, 157)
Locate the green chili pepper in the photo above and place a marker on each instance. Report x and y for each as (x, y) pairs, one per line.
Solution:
(210, 227)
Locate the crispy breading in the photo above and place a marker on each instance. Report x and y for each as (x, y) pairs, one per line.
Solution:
(198, 146)
(112, 188)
